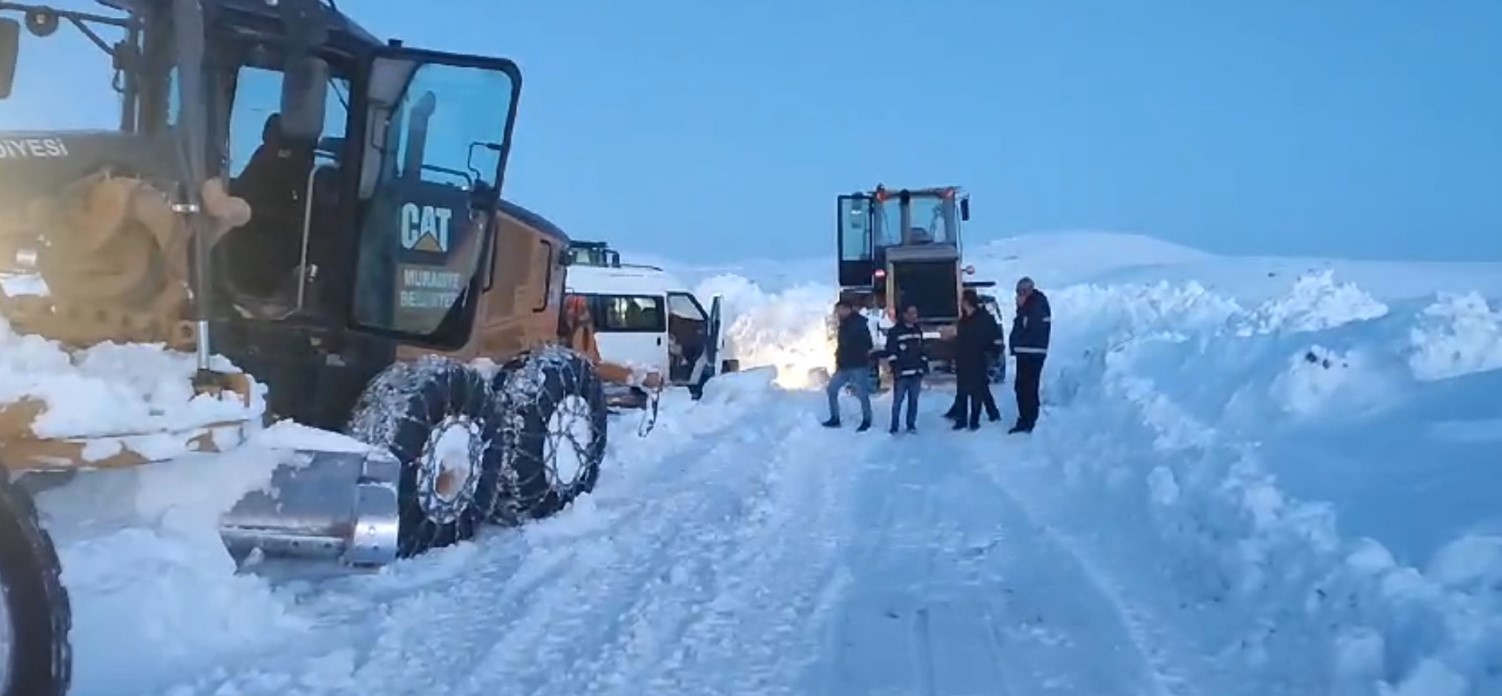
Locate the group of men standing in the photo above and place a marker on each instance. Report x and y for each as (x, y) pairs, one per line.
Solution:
(978, 344)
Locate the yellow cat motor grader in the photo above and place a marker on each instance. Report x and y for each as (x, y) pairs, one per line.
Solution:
(323, 209)
(899, 248)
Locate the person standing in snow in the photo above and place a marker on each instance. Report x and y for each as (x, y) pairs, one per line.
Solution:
(904, 352)
(975, 339)
(852, 365)
(956, 410)
(1030, 333)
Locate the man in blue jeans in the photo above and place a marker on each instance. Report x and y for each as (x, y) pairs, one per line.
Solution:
(904, 352)
(852, 365)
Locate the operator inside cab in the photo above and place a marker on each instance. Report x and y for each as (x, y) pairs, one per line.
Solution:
(268, 249)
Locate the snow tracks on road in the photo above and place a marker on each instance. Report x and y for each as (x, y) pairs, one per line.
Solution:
(700, 565)
(957, 591)
(738, 551)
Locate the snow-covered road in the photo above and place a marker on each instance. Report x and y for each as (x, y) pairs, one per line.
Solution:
(957, 591)
(729, 556)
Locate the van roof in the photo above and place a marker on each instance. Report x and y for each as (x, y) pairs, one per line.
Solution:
(625, 280)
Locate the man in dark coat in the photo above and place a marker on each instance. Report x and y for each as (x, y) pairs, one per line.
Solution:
(956, 411)
(904, 352)
(1030, 333)
(975, 344)
(852, 364)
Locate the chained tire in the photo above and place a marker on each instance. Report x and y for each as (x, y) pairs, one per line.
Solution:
(556, 434)
(435, 415)
(38, 615)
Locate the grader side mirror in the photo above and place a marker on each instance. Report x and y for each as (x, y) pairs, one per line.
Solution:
(10, 51)
(965, 209)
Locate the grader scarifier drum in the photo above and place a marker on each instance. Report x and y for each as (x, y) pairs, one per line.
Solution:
(113, 255)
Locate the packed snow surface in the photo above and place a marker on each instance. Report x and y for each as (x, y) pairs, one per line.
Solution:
(1253, 476)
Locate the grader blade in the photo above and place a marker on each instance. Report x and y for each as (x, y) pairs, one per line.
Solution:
(321, 505)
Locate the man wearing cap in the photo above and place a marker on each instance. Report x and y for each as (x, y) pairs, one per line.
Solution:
(1030, 333)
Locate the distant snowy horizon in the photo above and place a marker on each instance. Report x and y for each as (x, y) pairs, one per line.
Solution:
(1142, 244)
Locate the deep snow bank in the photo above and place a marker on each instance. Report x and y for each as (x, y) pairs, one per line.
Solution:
(1307, 471)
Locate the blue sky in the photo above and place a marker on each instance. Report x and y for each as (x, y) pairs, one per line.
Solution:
(712, 131)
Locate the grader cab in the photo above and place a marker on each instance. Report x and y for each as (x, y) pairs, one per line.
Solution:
(321, 207)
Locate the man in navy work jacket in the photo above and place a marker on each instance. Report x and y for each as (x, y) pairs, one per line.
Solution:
(852, 365)
(904, 352)
(1030, 331)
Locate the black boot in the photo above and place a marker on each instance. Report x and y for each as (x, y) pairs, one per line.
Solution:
(831, 423)
(863, 427)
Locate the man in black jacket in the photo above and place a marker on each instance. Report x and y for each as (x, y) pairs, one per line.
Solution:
(852, 364)
(904, 352)
(976, 334)
(1030, 333)
(998, 347)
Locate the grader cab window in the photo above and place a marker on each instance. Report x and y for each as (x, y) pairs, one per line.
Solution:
(426, 230)
(257, 98)
(280, 177)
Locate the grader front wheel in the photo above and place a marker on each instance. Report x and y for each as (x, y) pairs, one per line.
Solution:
(436, 416)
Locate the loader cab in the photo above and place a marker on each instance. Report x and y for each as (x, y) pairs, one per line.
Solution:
(903, 247)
